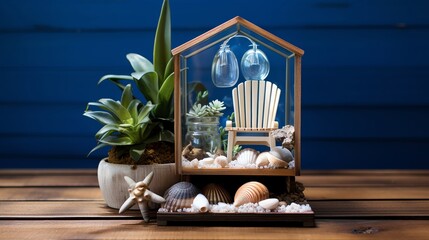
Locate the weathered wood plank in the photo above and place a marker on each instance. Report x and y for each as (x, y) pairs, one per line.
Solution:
(50, 193)
(98, 209)
(361, 193)
(136, 229)
(48, 180)
(373, 180)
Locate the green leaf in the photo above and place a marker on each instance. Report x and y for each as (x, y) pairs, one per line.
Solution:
(163, 135)
(100, 145)
(117, 141)
(133, 109)
(137, 151)
(169, 69)
(164, 96)
(147, 82)
(104, 131)
(127, 96)
(102, 117)
(162, 42)
(139, 63)
(117, 109)
(114, 78)
(144, 113)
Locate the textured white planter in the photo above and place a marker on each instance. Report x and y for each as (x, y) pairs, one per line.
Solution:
(115, 189)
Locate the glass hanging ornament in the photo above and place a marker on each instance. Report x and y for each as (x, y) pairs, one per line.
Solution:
(225, 68)
(255, 64)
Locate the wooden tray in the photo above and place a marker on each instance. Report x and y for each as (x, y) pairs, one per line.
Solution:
(268, 219)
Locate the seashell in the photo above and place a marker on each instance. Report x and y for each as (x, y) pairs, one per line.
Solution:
(207, 161)
(282, 153)
(247, 156)
(270, 203)
(180, 195)
(215, 193)
(221, 160)
(262, 159)
(283, 203)
(276, 162)
(251, 192)
(201, 203)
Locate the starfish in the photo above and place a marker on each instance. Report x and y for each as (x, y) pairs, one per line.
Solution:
(140, 194)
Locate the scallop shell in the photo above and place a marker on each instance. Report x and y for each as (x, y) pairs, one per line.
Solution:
(215, 193)
(270, 203)
(180, 195)
(251, 192)
(247, 156)
(201, 203)
(262, 159)
(282, 153)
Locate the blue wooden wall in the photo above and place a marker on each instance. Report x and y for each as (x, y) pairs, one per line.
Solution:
(365, 73)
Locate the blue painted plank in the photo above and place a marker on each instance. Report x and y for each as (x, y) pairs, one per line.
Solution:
(364, 154)
(80, 15)
(324, 47)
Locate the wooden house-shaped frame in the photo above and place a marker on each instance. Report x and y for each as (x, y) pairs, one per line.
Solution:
(192, 64)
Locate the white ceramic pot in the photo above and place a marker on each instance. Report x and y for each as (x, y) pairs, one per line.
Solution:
(115, 189)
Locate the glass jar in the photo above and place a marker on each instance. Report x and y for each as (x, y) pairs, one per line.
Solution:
(203, 133)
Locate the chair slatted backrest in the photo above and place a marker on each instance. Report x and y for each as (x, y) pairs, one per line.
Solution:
(255, 104)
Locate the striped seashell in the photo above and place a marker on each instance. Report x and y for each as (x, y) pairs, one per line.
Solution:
(246, 156)
(251, 192)
(215, 193)
(180, 195)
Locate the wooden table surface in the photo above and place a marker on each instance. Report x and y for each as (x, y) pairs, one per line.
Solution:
(67, 204)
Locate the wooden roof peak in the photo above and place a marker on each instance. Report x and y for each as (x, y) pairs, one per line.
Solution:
(234, 21)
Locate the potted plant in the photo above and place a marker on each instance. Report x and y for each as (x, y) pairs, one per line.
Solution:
(140, 135)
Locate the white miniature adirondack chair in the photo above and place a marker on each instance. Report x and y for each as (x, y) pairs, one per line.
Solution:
(255, 108)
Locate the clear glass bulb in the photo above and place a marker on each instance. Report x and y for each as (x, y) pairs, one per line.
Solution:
(225, 68)
(255, 64)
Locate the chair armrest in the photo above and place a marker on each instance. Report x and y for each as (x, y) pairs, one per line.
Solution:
(228, 125)
(275, 124)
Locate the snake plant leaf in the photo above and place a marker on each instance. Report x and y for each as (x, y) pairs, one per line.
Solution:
(139, 63)
(162, 42)
(164, 97)
(147, 82)
(102, 117)
(117, 109)
(168, 70)
(127, 96)
(114, 78)
(117, 141)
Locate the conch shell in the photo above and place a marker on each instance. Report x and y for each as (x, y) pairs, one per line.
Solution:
(251, 192)
(201, 203)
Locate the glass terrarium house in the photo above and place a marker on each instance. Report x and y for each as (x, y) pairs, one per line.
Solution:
(245, 81)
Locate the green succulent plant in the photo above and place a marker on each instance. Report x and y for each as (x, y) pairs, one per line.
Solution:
(155, 80)
(125, 123)
(130, 126)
